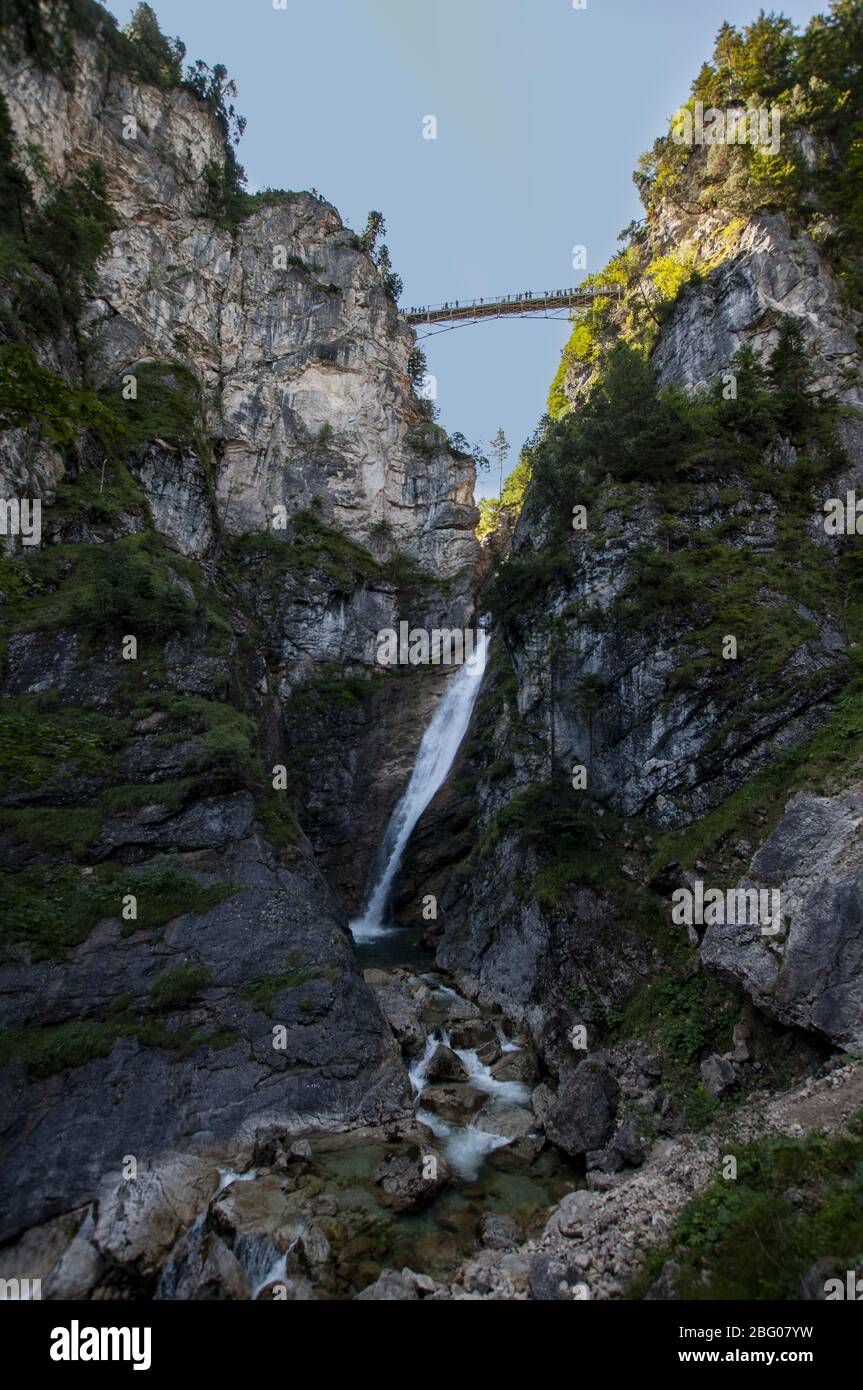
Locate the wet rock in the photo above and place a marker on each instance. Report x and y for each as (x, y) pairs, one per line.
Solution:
(459, 1010)
(489, 1052)
(453, 1103)
(390, 1287)
(80, 1267)
(582, 1117)
(510, 1121)
(425, 1286)
(201, 1267)
(498, 1231)
(139, 1220)
(403, 1013)
(542, 1099)
(410, 1181)
(516, 1066)
(472, 1034)
(310, 1254)
(446, 1066)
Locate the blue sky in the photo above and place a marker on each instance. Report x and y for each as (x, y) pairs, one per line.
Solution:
(542, 112)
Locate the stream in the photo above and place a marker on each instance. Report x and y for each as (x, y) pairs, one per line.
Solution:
(324, 1219)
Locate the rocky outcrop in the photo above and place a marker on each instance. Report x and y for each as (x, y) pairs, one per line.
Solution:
(284, 322)
(810, 974)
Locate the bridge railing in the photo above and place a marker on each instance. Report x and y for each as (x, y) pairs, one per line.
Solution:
(530, 300)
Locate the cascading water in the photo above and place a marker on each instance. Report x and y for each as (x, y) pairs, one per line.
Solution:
(437, 751)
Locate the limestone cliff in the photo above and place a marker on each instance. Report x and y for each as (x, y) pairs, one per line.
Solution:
(209, 394)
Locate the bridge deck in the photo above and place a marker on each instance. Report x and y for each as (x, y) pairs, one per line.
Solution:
(531, 303)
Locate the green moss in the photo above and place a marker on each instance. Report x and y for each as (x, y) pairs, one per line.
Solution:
(126, 587)
(262, 992)
(54, 830)
(32, 395)
(51, 910)
(548, 817)
(45, 1051)
(176, 988)
(40, 741)
(125, 800)
(795, 1204)
(167, 406)
(685, 1015)
(278, 820)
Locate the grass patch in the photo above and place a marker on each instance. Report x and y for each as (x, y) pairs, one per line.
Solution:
(176, 988)
(39, 740)
(262, 992)
(53, 910)
(55, 830)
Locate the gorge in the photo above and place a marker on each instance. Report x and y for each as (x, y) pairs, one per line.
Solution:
(324, 977)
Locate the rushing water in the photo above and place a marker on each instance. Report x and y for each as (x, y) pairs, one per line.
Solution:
(436, 755)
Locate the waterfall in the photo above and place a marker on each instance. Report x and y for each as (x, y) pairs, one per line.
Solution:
(436, 755)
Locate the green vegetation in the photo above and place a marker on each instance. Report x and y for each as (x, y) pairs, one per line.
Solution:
(55, 830)
(492, 509)
(261, 993)
(176, 988)
(311, 547)
(53, 909)
(815, 78)
(167, 406)
(39, 740)
(53, 1049)
(795, 1207)
(549, 818)
(278, 820)
(630, 432)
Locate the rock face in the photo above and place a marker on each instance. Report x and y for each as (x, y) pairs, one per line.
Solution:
(181, 981)
(218, 1076)
(810, 975)
(297, 347)
(773, 273)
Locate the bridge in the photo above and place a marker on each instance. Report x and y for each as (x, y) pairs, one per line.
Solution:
(547, 303)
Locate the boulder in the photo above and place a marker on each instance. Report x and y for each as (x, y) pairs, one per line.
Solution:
(389, 1287)
(140, 1219)
(409, 1181)
(810, 974)
(582, 1117)
(454, 1103)
(498, 1231)
(473, 1034)
(570, 1215)
(446, 1066)
(718, 1074)
(517, 1066)
(510, 1121)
